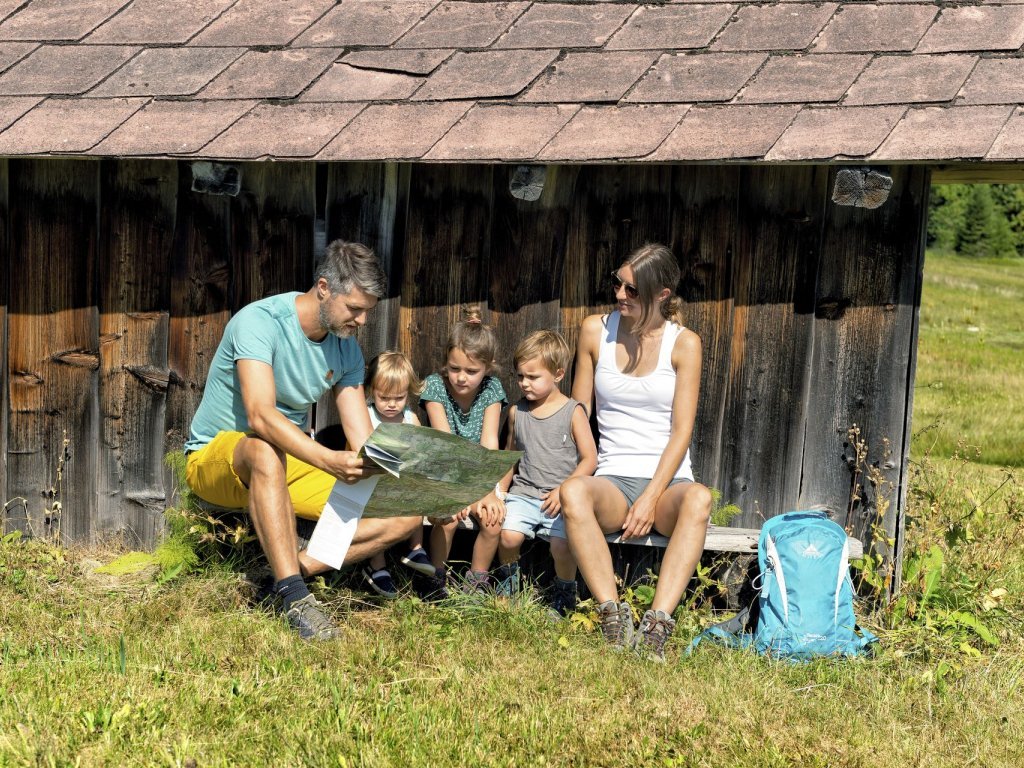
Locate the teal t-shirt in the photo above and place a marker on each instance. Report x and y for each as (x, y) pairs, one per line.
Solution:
(468, 425)
(268, 330)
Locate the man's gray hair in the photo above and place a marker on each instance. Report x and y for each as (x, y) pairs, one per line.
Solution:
(348, 265)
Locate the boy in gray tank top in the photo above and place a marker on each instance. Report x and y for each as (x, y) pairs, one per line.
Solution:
(554, 434)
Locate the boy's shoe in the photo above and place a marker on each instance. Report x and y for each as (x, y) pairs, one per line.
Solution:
(655, 627)
(616, 624)
(308, 618)
(507, 580)
(563, 598)
(476, 582)
(417, 560)
(434, 588)
(380, 582)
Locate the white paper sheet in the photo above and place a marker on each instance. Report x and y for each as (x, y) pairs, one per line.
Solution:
(336, 527)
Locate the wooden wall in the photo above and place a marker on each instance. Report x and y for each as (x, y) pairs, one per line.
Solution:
(117, 281)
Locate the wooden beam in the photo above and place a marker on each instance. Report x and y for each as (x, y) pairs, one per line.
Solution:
(5, 267)
(53, 352)
(978, 173)
(137, 220)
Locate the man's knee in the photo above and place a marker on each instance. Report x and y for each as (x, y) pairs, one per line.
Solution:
(254, 455)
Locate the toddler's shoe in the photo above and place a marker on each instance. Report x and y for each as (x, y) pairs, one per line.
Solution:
(433, 588)
(507, 580)
(563, 598)
(417, 560)
(476, 582)
(655, 628)
(381, 582)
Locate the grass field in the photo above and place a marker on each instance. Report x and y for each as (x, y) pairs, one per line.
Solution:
(182, 672)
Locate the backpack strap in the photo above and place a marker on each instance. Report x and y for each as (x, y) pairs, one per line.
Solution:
(732, 633)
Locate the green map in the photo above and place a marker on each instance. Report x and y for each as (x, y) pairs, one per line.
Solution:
(430, 473)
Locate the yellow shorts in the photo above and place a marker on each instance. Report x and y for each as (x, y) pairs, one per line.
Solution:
(211, 476)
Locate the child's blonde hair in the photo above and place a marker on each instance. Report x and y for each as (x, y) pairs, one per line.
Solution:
(549, 346)
(473, 338)
(392, 372)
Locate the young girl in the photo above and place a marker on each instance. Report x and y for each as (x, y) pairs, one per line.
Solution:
(466, 400)
(390, 383)
(641, 368)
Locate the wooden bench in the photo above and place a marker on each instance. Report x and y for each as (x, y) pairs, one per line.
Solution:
(719, 539)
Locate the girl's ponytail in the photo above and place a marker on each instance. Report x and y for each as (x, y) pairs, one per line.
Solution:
(474, 338)
(672, 309)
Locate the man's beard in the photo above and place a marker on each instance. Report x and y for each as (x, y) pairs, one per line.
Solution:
(342, 332)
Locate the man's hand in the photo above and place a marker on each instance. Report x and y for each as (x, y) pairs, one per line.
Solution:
(640, 518)
(348, 466)
(551, 502)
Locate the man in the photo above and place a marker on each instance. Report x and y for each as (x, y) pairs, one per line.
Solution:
(247, 446)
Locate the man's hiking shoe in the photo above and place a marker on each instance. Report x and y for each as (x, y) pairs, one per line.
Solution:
(507, 580)
(417, 560)
(432, 589)
(655, 627)
(308, 618)
(380, 582)
(616, 624)
(563, 598)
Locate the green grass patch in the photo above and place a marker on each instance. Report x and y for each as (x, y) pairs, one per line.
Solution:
(970, 359)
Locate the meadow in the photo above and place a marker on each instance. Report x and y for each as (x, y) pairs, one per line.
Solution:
(174, 667)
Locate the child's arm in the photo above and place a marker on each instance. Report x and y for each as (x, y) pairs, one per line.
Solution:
(436, 417)
(489, 433)
(587, 450)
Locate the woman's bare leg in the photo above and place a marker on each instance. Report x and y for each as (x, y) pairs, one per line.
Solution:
(682, 514)
(592, 507)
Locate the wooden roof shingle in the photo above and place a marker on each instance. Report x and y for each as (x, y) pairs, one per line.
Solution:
(481, 80)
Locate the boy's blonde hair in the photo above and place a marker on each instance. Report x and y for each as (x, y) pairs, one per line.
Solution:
(392, 372)
(474, 339)
(549, 346)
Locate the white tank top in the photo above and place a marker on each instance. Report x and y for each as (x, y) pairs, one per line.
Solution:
(634, 413)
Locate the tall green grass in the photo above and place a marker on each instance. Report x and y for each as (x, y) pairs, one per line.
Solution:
(970, 361)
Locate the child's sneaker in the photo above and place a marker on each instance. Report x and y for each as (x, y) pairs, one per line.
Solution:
(417, 560)
(380, 582)
(433, 588)
(476, 582)
(616, 624)
(507, 580)
(655, 627)
(563, 598)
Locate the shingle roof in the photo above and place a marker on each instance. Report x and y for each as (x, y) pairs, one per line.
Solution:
(478, 80)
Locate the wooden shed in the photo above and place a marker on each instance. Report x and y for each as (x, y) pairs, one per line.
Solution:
(166, 163)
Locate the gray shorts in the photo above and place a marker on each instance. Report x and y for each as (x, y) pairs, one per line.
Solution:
(629, 487)
(632, 487)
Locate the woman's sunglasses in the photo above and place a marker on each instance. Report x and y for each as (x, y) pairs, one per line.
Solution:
(631, 290)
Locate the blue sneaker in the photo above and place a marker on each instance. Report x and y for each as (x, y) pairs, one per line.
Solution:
(381, 582)
(563, 598)
(417, 560)
(507, 580)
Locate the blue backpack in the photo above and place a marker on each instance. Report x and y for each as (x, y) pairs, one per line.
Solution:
(805, 606)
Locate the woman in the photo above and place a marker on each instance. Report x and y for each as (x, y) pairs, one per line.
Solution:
(643, 368)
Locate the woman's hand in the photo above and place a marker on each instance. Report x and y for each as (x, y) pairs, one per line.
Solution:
(640, 517)
(551, 502)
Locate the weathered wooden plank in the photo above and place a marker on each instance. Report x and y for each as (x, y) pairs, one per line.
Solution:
(528, 244)
(868, 285)
(272, 231)
(616, 209)
(136, 248)
(365, 203)
(447, 249)
(5, 266)
(705, 218)
(53, 352)
(976, 173)
(778, 244)
(199, 303)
